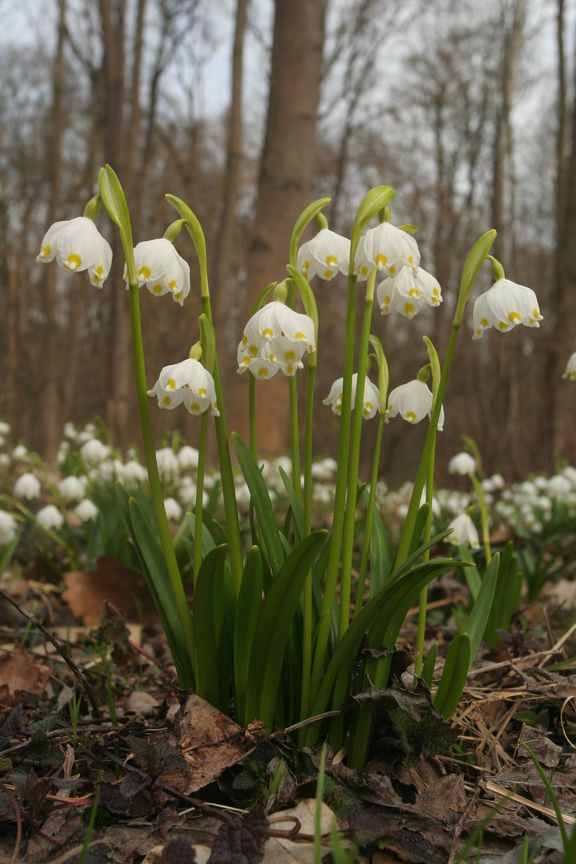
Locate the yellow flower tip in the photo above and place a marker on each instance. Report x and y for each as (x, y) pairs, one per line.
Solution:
(73, 261)
(364, 270)
(299, 335)
(45, 251)
(484, 322)
(328, 274)
(245, 361)
(573, 375)
(178, 297)
(244, 340)
(263, 372)
(411, 416)
(306, 265)
(157, 289)
(413, 292)
(166, 401)
(290, 370)
(410, 260)
(380, 260)
(331, 260)
(409, 309)
(253, 351)
(514, 317)
(289, 355)
(144, 274)
(392, 270)
(502, 326)
(171, 384)
(267, 333)
(201, 391)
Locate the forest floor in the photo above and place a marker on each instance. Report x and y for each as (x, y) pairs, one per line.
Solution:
(103, 759)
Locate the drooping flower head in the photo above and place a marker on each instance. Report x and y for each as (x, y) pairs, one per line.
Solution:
(408, 292)
(503, 306)
(463, 464)
(570, 370)
(387, 248)
(161, 269)
(413, 401)
(7, 528)
(370, 402)
(326, 255)
(27, 487)
(77, 245)
(463, 532)
(187, 382)
(275, 338)
(50, 517)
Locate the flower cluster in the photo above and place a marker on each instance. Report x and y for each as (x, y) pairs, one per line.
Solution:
(275, 339)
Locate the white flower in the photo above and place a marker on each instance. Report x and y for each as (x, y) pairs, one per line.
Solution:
(326, 255)
(187, 382)
(27, 487)
(7, 528)
(71, 488)
(162, 269)
(4, 459)
(325, 469)
(187, 491)
(4, 428)
(413, 401)
(570, 371)
(371, 397)
(408, 292)
(78, 245)
(463, 464)
(133, 473)
(188, 457)
(275, 338)
(464, 532)
(70, 431)
(94, 451)
(559, 486)
(50, 517)
(503, 306)
(86, 510)
(21, 453)
(167, 463)
(173, 509)
(388, 248)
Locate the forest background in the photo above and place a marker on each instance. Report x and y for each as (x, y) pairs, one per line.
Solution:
(250, 109)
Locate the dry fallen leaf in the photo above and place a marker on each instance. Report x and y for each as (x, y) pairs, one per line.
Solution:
(20, 671)
(140, 702)
(280, 850)
(88, 590)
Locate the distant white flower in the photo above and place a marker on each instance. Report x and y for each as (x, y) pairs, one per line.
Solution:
(21, 453)
(71, 488)
(50, 517)
(559, 486)
(173, 509)
(413, 401)
(463, 464)
(503, 306)
(325, 469)
(70, 431)
(187, 382)
(4, 428)
(94, 451)
(86, 510)
(387, 248)
(570, 370)
(463, 532)
(187, 491)
(371, 397)
(162, 269)
(78, 245)
(27, 487)
(63, 451)
(132, 473)
(4, 459)
(275, 338)
(7, 528)
(243, 496)
(326, 255)
(188, 457)
(167, 463)
(408, 292)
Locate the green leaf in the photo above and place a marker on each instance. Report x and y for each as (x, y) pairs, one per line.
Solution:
(430, 664)
(211, 666)
(410, 229)
(380, 557)
(294, 503)
(383, 373)
(471, 572)
(302, 222)
(114, 201)
(7, 553)
(474, 261)
(454, 675)
(566, 842)
(506, 597)
(262, 504)
(375, 200)
(247, 614)
(480, 613)
(306, 295)
(273, 629)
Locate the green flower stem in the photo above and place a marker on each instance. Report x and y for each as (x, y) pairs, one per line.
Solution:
(252, 415)
(339, 495)
(307, 599)
(354, 463)
(154, 477)
(484, 521)
(295, 437)
(369, 517)
(423, 602)
(311, 369)
(199, 506)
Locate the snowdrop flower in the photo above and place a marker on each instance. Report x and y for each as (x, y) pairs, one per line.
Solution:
(27, 487)
(388, 248)
(86, 510)
(326, 255)
(50, 517)
(94, 451)
(77, 245)
(187, 382)
(408, 292)
(463, 532)
(7, 528)
(559, 486)
(503, 306)
(371, 397)
(71, 488)
(4, 459)
(70, 431)
(413, 401)
(173, 509)
(167, 463)
(188, 457)
(463, 464)
(570, 370)
(161, 269)
(21, 453)
(243, 496)
(275, 338)
(133, 473)
(63, 451)
(4, 428)
(324, 470)
(187, 491)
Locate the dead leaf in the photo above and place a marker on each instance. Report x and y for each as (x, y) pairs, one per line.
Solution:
(140, 702)
(20, 672)
(280, 850)
(444, 800)
(88, 590)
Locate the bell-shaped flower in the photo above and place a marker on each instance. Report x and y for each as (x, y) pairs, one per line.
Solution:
(326, 255)
(173, 510)
(503, 306)
(408, 292)
(463, 464)
(371, 397)
(86, 510)
(7, 528)
(187, 382)
(162, 269)
(72, 488)
(463, 532)
(413, 401)
(77, 245)
(388, 248)
(570, 371)
(275, 338)
(27, 487)
(50, 517)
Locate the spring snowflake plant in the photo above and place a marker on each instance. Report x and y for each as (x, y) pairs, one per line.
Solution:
(261, 634)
